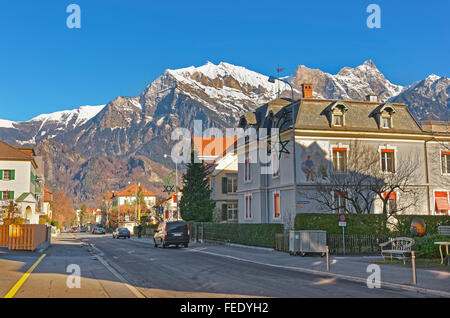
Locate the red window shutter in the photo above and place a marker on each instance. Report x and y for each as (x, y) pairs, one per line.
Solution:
(277, 204)
(387, 150)
(174, 198)
(392, 196)
(339, 149)
(445, 152)
(440, 194)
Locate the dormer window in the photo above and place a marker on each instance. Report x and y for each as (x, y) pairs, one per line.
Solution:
(384, 115)
(386, 122)
(338, 119)
(336, 114)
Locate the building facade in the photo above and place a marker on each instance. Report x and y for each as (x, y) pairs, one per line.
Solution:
(338, 143)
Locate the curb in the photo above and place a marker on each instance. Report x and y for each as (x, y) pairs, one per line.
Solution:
(345, 277)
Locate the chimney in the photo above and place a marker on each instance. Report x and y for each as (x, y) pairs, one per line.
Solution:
(307, 90)
(372, 98)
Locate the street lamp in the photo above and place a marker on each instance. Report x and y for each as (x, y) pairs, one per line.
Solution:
(272, 79)
(176, 181)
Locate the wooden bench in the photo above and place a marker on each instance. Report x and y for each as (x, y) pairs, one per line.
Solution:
(397, 247)
(444, 230)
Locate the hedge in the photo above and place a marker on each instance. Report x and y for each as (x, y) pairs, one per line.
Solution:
(262, 235)
(366, 224)
(425, 247)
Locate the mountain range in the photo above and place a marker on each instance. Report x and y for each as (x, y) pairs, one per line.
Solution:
(94, 149)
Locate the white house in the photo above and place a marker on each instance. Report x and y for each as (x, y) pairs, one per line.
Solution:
(18, 181)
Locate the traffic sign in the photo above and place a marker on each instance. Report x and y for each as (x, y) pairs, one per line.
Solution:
(342, 217)
(342, 223)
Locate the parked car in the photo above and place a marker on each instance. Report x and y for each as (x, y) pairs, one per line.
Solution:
(172, 233)
(83, 229)
(98, 230)
(121, 232)
(74, 229)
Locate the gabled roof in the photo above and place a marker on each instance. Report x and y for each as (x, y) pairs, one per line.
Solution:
(26, 197)
(8, 152)
(132, 190)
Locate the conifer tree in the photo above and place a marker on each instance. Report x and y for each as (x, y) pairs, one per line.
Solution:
(196, 203)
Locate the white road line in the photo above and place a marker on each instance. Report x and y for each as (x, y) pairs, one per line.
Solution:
(133, 289)
(345, 277)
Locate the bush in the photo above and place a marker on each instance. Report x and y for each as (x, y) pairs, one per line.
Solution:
(366, 223)
(356, 223)
(425, 247)
(262, 235)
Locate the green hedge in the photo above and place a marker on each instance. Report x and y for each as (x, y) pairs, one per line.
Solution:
(262, 235)
(425, 247)
(366, 224)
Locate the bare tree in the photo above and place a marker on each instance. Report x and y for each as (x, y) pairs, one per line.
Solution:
(354, 184)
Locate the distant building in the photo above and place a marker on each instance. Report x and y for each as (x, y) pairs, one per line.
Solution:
(20, 181)
(48, 199)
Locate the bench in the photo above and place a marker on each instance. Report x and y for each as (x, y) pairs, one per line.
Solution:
(444, 230)
(397, 247)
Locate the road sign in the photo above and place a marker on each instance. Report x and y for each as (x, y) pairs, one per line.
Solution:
(342, 217)
(342, 223)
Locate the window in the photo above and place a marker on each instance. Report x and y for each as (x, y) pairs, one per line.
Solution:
(386, 122)
(232, 212)
(247, 169)
(248, 206)
(387, 160)
(391, 203)
(445, 158)
(8, 175)
(231, 184)
(442, 205)
(340, 202)
(340, 159)
(275, 165)
(338, 119)
(7, 195)
(276, 205)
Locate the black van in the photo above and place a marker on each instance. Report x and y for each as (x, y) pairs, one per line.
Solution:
(172, 233)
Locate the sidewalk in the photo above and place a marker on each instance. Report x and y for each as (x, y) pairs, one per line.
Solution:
(436, 278)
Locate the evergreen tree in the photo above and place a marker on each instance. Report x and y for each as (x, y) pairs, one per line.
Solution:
(196, 203)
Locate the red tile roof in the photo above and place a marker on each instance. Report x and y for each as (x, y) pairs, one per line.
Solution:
(212, 146)
(132, 190)
(8, 152)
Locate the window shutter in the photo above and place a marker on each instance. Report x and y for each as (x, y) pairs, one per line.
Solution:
(224, 212)
(11, 195)
(1, 174)
(1, 195)
(224, 185)
(13, 174)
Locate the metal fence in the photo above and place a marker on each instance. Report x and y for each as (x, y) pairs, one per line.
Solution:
(354, 243)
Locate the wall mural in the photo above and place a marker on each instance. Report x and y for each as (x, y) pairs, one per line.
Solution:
(314, 162)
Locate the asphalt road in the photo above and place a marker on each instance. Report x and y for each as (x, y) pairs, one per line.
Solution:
(182, 272)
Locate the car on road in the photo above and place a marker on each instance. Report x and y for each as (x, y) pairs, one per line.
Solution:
(121, 232)
(98, 230)
(172, 233)
(74, 229)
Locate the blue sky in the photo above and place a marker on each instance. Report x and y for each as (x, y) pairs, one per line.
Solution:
(124, 45)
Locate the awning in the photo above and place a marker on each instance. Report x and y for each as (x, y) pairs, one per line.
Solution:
(442, 204)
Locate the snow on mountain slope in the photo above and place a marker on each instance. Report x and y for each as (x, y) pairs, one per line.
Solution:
(6, 123)
(80, 115)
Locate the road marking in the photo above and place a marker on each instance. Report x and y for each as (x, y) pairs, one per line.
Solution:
(22, 280)
(133, 289)
(316, 272)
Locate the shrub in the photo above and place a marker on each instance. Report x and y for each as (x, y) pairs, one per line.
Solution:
(262, 235)
(147, 230)
(425, 247)
(366, 223)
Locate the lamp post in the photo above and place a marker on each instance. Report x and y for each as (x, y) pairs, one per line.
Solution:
(272, 79)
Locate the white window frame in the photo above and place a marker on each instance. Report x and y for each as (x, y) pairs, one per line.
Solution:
(234, 182)
(390, 122)
(10, 173)
(434, 200)
(446, 173)
(233, 208)
(388, 147)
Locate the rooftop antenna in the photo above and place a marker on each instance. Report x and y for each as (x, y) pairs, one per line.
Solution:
(279, 70)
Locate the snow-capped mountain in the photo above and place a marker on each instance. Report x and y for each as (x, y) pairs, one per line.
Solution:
(46, 125)
(132, 128)
(427, 99)
(349, 84)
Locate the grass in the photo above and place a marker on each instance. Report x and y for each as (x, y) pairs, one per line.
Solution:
(420, 263)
